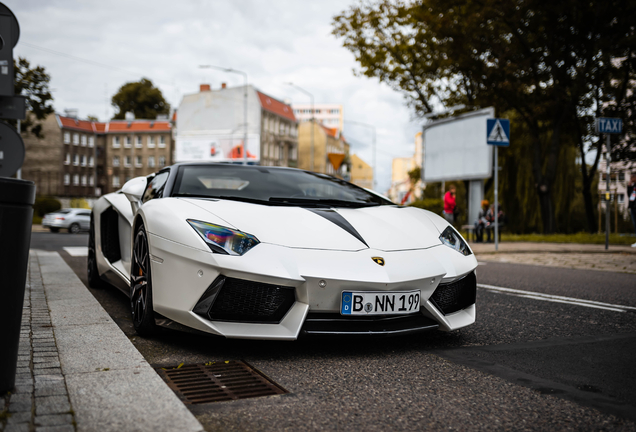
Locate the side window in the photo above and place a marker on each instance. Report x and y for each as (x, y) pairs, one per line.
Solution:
(155, 187)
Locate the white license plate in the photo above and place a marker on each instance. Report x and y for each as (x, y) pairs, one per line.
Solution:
(379, 302)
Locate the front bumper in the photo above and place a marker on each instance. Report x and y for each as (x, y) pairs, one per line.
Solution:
(182, 275)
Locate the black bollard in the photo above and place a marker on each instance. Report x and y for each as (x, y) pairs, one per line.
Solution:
(16, 216)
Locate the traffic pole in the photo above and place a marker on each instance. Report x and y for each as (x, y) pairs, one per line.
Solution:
(608, 146)
(496, 198)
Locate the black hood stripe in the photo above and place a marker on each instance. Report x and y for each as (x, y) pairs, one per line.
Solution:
(336, 218)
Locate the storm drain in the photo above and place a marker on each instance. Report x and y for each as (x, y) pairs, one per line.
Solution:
(218, 382)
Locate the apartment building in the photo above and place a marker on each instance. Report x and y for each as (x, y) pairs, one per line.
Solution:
(77, 158)
(329, 115)
(330, 150)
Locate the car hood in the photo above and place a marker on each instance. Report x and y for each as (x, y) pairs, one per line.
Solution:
(385, 228)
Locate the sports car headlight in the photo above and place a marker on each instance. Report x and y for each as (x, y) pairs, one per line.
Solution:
(452, 239)
(224, 240)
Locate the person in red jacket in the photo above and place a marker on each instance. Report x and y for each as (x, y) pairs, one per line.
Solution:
(449, 204)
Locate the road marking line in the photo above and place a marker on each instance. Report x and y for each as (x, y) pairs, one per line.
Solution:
(76, 251)
(558, 299)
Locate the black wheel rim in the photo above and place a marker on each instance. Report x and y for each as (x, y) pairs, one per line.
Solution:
(74, 228)
(91, 252)
(139, 280)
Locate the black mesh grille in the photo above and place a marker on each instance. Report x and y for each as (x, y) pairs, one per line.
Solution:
(247, 301)
(109, 231)
(455, 296)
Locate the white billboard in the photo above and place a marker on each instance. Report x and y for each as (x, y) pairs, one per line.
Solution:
(211, 147)
(455, 148)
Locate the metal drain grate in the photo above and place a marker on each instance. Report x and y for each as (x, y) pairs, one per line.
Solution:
(218, 382)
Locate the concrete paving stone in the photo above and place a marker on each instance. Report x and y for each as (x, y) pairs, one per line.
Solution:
(21, 406)
(46, 378)
(23, 379)
(20, 397)
(44, 356)
(64, 428)
(23, 363)
(20, 417)
(22, 370)
(24, 357)
(47, 364)
(73, 289)
(47, 371)
(96, 396)
(42, 335)
(20, 427)
(24, 388)
(52, 390)
(53, 420)
(52, 405)
(96, 347)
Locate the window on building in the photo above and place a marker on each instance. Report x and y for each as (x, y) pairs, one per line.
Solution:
(76, 160)
(67, 160)
(138, 161)
(151, 161)
(116, 143)
(621, 176)
(75, 139)
(138, 142)
(91, 141)
(83, 140)
(115, 181)
(162, 161)
(115, 161)
(151, 141)
(83, 160)
(621, 198)
(91, 181)
(127, 161)
(162, 141)
(67, 137)
(83, 180)
(67, 179)
(75, 179)
(91, 161)
(128, 142)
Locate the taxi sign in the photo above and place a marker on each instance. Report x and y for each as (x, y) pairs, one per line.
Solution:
(609, 125)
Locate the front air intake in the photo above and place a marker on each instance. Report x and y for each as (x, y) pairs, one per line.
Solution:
(238, 300)
(455, 296)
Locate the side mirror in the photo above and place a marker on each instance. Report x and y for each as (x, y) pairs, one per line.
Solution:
(134, 190)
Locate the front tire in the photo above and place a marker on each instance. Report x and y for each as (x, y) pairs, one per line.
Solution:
(74, 228)
(141, 287)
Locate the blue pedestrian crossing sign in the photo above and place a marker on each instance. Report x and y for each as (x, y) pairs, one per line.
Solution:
(498, 132)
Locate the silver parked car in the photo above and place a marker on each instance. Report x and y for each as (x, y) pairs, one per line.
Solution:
(72, 219)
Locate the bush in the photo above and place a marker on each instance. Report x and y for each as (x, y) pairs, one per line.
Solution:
(436, 205)
(45, 204)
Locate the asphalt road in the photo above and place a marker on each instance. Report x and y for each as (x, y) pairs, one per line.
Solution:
(526, 364)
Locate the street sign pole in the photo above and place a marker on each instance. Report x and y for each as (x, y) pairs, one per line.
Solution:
(496, 198)
(608, 146)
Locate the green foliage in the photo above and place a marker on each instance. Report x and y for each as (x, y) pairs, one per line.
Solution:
(79, 203)
(415, 174)
(553, 65)
(581, 238)
(45, 204)
(92, 118)
(34, 84)
(436, 205)
(142, 98)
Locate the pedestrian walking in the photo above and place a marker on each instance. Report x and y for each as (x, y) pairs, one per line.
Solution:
(449, 204)
(481, 222)
(631, 193)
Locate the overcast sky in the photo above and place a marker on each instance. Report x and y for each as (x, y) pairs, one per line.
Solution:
(91, 48)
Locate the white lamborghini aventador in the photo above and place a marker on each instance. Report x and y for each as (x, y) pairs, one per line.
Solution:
(275, 253)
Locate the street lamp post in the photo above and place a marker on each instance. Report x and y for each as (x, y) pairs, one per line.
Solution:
(311, 162)
(370, 126)
(244, 102)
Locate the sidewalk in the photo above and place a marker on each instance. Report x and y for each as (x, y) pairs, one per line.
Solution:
(620, 259)
(77, 371)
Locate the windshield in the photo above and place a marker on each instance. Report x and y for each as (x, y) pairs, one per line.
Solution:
(273, 186)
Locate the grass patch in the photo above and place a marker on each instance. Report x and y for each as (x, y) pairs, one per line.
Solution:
(581, 238)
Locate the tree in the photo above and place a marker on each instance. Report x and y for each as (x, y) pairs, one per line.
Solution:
(545, 61)
(142, 98)
(34, 84)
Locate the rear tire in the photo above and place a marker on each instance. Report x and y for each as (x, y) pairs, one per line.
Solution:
(74, 228)
(141, 287)
(94, 281)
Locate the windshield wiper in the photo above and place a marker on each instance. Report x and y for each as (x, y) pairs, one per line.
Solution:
(323, 202)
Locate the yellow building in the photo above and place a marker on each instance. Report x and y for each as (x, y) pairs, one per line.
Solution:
(331, 151)
(361, 172)
(400, 180)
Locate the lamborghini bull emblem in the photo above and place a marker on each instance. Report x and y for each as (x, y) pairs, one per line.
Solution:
(378, 260)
